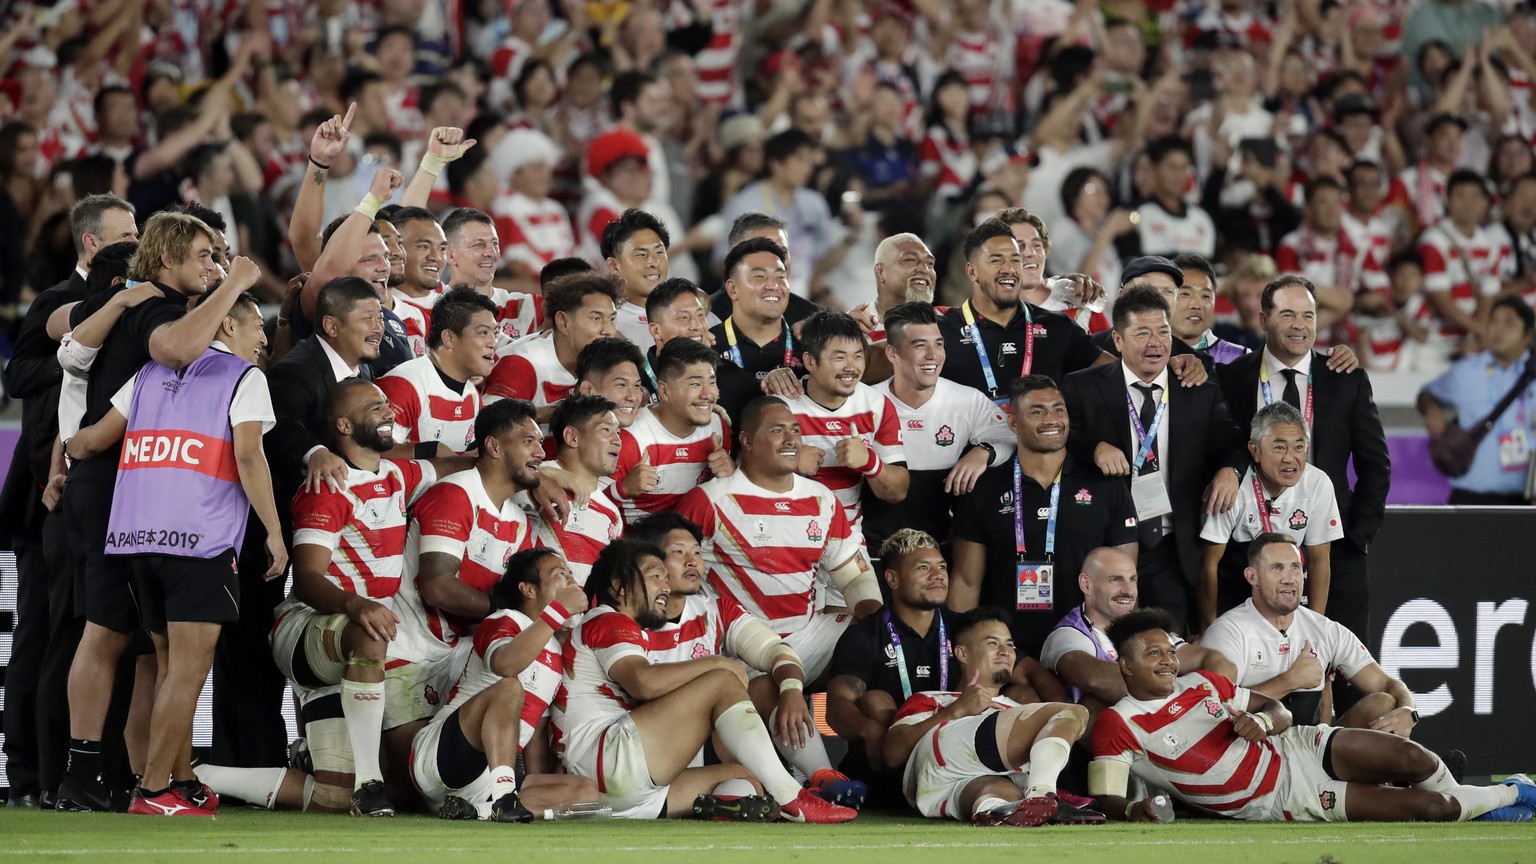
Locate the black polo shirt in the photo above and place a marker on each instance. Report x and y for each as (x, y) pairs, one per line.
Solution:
(1060, 347)
(741, 384)
(865, 652)
(1094, 511)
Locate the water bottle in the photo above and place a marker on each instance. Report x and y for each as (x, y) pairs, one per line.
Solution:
(1163, 807)
(582, 810)
(1064, 290)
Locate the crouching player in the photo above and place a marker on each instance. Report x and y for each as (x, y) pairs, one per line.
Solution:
(463, 762)
(634, 726)
(979, 755)
(1229, 751)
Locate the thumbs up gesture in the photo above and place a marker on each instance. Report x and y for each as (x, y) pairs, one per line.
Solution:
(720, 462)
(852, 452)
(641, 479)
(1307, 672)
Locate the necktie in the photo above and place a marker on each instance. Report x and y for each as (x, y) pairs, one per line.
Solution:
(1148, 411)
(1292, 392)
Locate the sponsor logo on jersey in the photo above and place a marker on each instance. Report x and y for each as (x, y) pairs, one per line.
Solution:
(680, 453)
(915, 424)
(834, 425)
(1043, 513)
(1009, 348)
(1175, 709)
(782, 506)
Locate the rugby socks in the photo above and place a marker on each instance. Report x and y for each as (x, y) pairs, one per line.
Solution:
(1477, 800)
(1047, 757)
(1439, 781)
(362, 705)
(988, 802)
(808, 759)
(257, 786)
(742, 730)
(734, 788)
(503, 781)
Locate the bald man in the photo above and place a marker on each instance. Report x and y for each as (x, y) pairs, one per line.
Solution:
(904, 272)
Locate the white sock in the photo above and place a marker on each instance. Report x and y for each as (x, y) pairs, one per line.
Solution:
(1477, 800)
(744, 735)
(1439, 781)
(810, 758)
(257, 786)
(988, 802)
(362, 705)
(1047, 757)
(309, 790)
(503, 780)
(734, 788)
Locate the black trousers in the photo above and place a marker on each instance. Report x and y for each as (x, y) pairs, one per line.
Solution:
(1161, 579)
(248, 727)
(65, 628)
(1349, 604)
(23, 673)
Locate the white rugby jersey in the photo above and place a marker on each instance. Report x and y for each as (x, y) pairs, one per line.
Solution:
(363, 525)
(593, 700)
(1186, 744)
(1261, 652)
(1420, 193)
(1324, 260)
(517, 315)
(1469, 267)
(457, 518)
(1387, 346)
(533, 233)
(935, 436)
(867, 414)
(681, 463)
(529, 369)
(704, 629)
(763, 548)
(633, 325)
(426, 410)
(539, 680)
(585, 532)
(1307, 512)
(1167, 234)
(921, 706)
(417, 318)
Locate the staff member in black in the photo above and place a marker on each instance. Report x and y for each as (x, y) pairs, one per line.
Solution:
(1021, 536)
(755, 341)
(1340, 411)
(1175, 449)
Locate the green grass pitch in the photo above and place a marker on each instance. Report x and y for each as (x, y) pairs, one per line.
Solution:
(247, 837)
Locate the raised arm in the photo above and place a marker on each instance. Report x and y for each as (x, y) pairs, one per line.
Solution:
(445, 145)
(304, 227)
(340, 255)
(179, 342)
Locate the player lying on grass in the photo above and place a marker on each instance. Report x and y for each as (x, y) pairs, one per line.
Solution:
(1229, 751)
(979, 755)
(634, 726)
(463, 761)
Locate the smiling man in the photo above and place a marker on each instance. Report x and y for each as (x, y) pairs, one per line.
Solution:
(610, 367)
(635, 247)
(1279, 493)
(434, 398)
(587, 436)
(756, 337)
(542, 368)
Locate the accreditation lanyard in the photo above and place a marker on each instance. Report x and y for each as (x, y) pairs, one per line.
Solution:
(1018, 515)
(730, 340)
(650, 375)
(1148, 436)
(901, 656)
(1258, 497)
(1269, 393)
(974, 332)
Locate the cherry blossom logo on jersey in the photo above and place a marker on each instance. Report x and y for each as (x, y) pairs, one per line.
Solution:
(431, 695)
(469, 437)
(510, 329)
(1298, 519)
(945, 436)
(1083, 496)
(700, 651)
(613, 530)
(1328, 799)
(1214, 708)
(813, 532)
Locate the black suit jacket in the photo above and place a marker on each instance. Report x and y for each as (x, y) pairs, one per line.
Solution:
(1201, 437)
(1345, 424)
(299, 383)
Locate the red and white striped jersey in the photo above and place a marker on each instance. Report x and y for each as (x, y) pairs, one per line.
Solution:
(1186, 744)
(530, 370)
(517, 315)
(985, 61)
(533, 233)
(586, 531)
(598, 208)
(867, 414)
(426, 410)
(1468, 267)
(456, 518)
(506, 64)
(1386, 348)
(1327, 261)
(1241, 29)
(539, 680)
(593, 700)
(681, 463)
(947, 159)
(703, 630)
(716, 64)
(921, 706)
(404, 112)
(362, 525)
(1420, 193)
(416, 315)
(763, 548)
(1372, 240)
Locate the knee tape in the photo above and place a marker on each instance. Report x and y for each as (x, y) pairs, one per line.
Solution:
(322, 647)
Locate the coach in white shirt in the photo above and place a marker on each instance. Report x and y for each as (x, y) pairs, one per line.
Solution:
(1285, 651)
(1279, 493)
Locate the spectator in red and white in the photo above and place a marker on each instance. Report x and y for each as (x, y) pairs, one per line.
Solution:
(1465, 265)
(582, 111)
(1322, 251)
(1391, 336)
(434, 398)
(888, 56)
(1419, 192)
(542, 368)
(976, 42)
(533, 227)
(1519, 212)
(537, 93)
(947, 164)
(717, 86)
(1169, 224)
(619, 161)
(1373, 228)
(474, 254)
(394, 53)
(441, 105)
(529, 19)
(642, 103)
(1228, 22)
(1237, 113)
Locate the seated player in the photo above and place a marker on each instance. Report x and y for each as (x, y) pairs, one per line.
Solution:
(1280, 492)
(680, 441)
(974, 754)
(587, 434)
(768, 531)
(1079, 651)
(463, 762)
(1248, 762)
(435, 398)
(634, 726)
(1285, 651)
(611, 368)
(700, 624)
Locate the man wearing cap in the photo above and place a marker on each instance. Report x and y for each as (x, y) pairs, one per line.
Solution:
(1161, 275)
(1419, 192)
(534, 228)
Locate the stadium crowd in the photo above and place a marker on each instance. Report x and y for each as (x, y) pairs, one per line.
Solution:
(643, 371)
